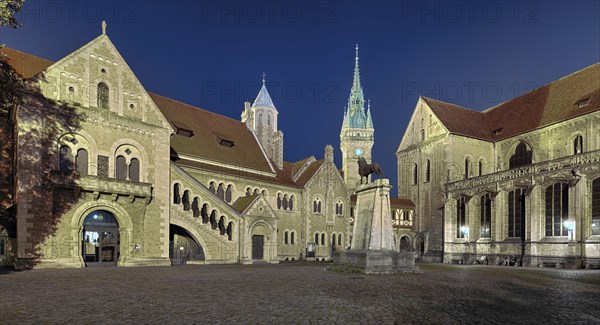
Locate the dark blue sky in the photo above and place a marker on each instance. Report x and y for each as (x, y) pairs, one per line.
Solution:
(212, 53)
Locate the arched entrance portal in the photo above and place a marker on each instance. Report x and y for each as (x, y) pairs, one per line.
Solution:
(405, 244)
(420, 246)
(100, 239)
(184, 248)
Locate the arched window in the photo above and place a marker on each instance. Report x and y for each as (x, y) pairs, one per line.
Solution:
(222, 228)
(269, 119)
(557, 209)
(221, 192)
(211, 187)
(120, 168)
(278, 200)
(415, 174)
(516, 213)
(82, 162)
(467, 168)
(460, 218)
(186, 200)
(256, 192)
(292, 203)
(228, 193)
(213, 219)
(316, 239)
(102, 95)
(285, 237)
(480, 167)
(317, 205)
(323, 239)
(66, 159)
(522, 157)
(176, 197)
(578, 145)
(333, 239)
(134, 170)
(284, 203)
(427, 171)
(204, 213)
(485, 214)
(422, 134)
(196, 207)
(230, 231)
(340, 240)
(596, 206)
(248, 191)
(293, 238)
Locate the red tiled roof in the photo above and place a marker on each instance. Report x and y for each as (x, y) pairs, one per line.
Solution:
(549, 104)
(26, 65)
(459, 120)
(298, 165)
(207, 129)
(400, 202)
(552, 103)
(281, 178)
(309, 172)
(243, 202)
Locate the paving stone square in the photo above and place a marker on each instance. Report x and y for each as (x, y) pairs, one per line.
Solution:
(299, 293)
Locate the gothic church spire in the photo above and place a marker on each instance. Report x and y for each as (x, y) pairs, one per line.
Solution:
(355, 115)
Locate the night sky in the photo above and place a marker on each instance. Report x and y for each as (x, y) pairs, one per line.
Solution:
(212, 54)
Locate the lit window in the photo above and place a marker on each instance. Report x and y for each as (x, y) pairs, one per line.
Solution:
(557, 209)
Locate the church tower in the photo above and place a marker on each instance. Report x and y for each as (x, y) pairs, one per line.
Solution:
(357, 135)
(261, 117)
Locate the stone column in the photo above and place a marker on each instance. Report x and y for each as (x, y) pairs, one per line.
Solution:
(372, 248)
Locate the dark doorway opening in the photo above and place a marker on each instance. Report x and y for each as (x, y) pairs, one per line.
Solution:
(258, 243)
(101, 239)
(182, 247)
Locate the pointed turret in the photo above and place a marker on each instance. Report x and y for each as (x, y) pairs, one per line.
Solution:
(369, 120)
(263, 99)
(261, 117)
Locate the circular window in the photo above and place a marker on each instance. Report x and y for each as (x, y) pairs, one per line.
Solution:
(103, 70)
(131, 106)
(71, 88)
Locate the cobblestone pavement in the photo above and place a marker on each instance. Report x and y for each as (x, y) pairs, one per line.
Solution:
(304, 293)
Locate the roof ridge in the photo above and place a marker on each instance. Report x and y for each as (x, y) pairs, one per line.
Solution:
(452, 104)
(193, 107)
(541, 87)
(25, 53)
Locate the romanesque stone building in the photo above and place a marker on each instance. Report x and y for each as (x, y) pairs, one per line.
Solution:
(106, 173)
(521, 178)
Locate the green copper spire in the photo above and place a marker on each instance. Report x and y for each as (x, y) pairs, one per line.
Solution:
(355, 116)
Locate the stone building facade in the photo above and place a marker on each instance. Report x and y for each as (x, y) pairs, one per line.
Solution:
(106, 173)
(521, 178)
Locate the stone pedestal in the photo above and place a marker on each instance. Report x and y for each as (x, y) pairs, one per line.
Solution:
(372, 248)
